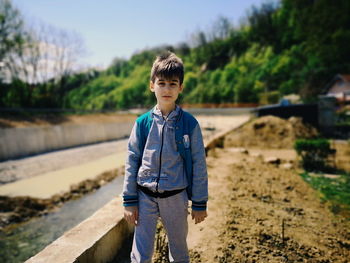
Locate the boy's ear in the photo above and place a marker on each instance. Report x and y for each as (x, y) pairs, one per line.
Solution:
(181, 87)
(151, 86)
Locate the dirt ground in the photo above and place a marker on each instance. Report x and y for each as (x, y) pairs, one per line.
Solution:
(260, 212)
(260, 209)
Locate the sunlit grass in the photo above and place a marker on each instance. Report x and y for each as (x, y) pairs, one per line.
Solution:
(336, 190)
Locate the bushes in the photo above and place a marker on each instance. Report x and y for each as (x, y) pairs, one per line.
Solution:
(314, 154)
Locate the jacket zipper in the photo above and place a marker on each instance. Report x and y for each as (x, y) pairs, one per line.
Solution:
(160, 156)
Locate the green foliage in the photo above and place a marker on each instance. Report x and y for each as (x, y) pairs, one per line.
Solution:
(119, 67)
(112, 92)
(14, 95)
(343, 116)
(250, 74)
(12, 35)
(314, 153)
(93, 95)
(336, 190)
(133, 91)
(263, 26)
(271, 97)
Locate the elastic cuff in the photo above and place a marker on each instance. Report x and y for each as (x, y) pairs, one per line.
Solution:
(130, 200)
(130, 204)
(199, 206)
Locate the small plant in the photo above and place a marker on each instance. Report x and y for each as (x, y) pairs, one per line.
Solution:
(314, 154)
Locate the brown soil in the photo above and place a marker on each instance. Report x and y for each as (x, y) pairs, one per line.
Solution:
(253, 205)
(13, 121)
(342, 155)
(260, 211)
(263, 212)
(270, 132)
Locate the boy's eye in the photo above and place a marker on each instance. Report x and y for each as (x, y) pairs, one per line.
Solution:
(164, 83)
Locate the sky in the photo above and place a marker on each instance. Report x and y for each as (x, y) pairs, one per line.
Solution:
(115, 28)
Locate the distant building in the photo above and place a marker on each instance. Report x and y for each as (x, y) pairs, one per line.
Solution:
(339, 87)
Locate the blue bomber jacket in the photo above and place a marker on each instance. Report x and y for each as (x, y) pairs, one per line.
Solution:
(166, 154)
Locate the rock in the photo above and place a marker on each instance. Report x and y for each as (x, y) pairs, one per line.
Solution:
(289, 188)
(243, 150)
(286, 166)
(272, 160)
(256, 155)
(8, 218)
(332, 176)
(239, 150)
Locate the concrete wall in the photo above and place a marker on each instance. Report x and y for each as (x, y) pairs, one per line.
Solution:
(99, 238)
(327, 116)
(19, 142)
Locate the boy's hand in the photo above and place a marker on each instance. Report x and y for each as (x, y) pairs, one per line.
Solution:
(131, 214)
(199, 216)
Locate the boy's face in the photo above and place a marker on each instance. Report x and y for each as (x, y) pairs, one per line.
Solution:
(166, 90)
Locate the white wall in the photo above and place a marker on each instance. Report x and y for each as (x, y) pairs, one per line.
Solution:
(18, 142)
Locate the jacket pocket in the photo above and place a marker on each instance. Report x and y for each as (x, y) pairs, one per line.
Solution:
(145, 176)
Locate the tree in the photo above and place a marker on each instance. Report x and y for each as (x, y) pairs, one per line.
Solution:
(263, 28)
(119, 67)
(221, 29)
(46, 59)
(12, 35)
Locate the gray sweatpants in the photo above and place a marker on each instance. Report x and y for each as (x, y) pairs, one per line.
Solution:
(173, 213)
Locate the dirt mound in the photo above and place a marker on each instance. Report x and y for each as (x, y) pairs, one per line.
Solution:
(270, 132)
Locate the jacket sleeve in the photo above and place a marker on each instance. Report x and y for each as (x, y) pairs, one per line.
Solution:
(132, 164)
(200, 175)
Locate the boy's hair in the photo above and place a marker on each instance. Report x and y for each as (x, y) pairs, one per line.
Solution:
(167, 66)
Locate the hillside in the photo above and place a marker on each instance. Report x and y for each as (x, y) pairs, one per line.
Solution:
(279, 49)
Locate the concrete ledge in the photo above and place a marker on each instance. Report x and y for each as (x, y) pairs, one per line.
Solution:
(18, 142)
(97, 239)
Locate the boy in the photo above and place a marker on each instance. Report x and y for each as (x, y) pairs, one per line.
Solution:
(165, 167)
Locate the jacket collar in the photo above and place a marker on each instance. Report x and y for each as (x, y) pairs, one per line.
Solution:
(172, 115)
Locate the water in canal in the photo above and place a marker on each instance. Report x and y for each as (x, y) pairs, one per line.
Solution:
(29, 238)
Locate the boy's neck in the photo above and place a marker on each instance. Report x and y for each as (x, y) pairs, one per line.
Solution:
(166, 109)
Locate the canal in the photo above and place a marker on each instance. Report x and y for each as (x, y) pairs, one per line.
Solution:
(25, 240)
